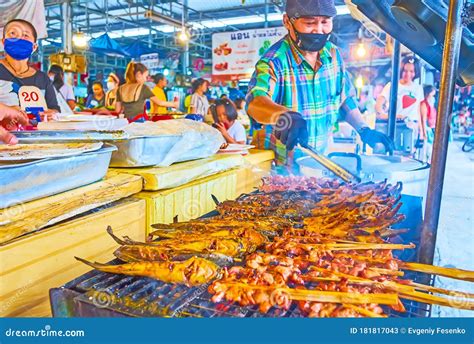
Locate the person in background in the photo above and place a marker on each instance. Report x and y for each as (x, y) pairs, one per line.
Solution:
(242, 114)
(96, 100)
(113, 83)
(410, 96)
(187, 102)
(234, 92)
(19, 42)
(226, 122)
(199, 103)
(10, 118)
(132, 95)
(56, 75)
(224, 96)
(428, 122)
(428, 109)
(160, 93)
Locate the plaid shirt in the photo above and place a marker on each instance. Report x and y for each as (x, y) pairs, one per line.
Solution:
(284, 75)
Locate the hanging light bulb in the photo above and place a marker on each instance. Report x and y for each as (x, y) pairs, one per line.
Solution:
(183, 36)
(80, 40)
(359, 82)
(361, 51)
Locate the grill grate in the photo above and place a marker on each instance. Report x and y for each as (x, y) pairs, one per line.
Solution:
(102, 294)
(145, 297)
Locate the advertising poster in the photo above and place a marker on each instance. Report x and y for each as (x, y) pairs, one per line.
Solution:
(236, 53)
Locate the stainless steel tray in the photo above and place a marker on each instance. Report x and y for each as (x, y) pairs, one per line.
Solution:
(28, 181)
(143, 151)
(38, 136)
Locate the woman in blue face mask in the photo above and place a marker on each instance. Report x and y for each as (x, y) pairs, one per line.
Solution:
(19, 41)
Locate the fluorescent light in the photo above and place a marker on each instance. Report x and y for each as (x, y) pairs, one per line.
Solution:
(207, 24)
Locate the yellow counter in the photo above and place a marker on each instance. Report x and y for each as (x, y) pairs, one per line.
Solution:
(37, 262)
(193, 200)
(188, 201)
(258, 164)
(161, 178)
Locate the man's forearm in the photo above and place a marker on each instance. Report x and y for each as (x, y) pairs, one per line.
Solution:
(265, 111)
(354, 118)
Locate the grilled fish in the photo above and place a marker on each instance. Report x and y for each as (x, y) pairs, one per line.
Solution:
(192, 272)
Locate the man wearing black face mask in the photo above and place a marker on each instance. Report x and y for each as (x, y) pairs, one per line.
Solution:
(301, 87)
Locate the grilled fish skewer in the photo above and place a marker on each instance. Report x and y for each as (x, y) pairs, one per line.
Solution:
(192, 272)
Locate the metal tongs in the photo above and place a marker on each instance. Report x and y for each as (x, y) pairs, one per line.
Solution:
(338, 170)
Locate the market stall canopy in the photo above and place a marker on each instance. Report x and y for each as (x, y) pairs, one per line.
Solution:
(420, 25)
(138, 49)
(104, 45)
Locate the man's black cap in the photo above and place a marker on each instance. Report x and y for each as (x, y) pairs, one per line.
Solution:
(310, 8)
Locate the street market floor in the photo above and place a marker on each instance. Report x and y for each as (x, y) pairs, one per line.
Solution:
(455, 240)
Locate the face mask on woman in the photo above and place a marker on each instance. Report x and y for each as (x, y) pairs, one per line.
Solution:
(110, 85)
(19, 49)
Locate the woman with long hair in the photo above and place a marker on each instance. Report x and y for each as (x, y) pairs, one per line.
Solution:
(132, 95)
(225, 120)
(410, 95)
(199, 103)
(56, 74)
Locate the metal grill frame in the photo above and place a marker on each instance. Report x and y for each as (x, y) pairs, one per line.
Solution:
(103, 294)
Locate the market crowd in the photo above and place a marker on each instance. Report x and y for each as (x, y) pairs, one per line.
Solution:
(136, 95)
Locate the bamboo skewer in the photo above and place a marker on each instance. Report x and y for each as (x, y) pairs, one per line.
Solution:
(398, 286)
(459, 274)
(364, 311)
(409, 292)
(323, 296)
(387, 272)
(440, 290)
(356, 247)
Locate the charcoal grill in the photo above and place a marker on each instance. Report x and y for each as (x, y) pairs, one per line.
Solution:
(100, 294)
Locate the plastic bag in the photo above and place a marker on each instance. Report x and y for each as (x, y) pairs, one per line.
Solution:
(189, 140)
